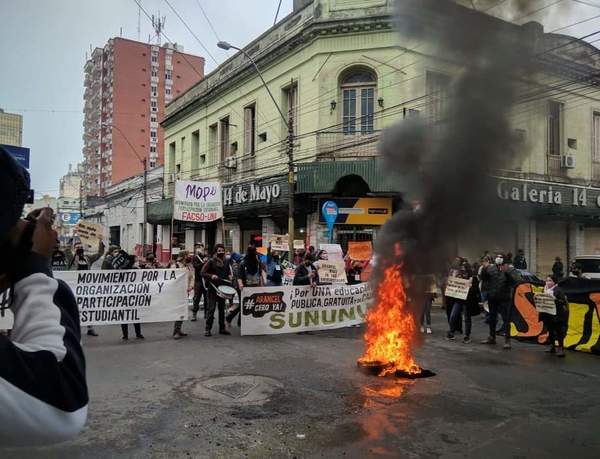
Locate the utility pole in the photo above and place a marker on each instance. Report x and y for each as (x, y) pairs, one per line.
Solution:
(145, 217)
(290, 154)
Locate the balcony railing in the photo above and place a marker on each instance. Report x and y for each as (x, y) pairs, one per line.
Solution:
(554, 166)
(332, 145)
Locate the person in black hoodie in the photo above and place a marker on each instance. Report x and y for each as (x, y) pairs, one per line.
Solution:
(43, 388)
(306, 273)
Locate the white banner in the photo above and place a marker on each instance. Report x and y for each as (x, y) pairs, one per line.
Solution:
(334, 251)
(292, 309)
(197, 201)
(128, 296)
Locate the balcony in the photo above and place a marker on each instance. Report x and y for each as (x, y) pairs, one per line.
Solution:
(554, 166)
(334, 145)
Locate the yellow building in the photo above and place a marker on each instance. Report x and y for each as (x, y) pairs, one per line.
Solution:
(11, 129)
(342, 72)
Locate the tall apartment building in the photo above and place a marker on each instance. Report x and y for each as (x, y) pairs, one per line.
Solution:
(11, 129)
(68, 202)
(127, 84)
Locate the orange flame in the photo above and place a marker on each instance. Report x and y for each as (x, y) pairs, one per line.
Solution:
(390, 327)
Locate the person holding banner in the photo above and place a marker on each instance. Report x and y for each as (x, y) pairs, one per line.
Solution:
(130, 264)
(556, 324)
(458, 303)
(274, 269)
(82, 262)
(306, 273)
(216, 273)
(250, 274)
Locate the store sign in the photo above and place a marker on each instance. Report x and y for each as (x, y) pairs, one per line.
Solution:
(251, 192)
(361, 211)
(68, 218)
(548, 194)
(21, 154)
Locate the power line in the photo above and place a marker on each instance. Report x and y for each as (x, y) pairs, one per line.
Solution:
(208, 20)
(191, 31)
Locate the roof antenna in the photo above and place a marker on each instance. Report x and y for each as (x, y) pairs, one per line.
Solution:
(139, 20)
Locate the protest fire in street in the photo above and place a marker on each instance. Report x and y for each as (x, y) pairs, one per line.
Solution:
(390, 329)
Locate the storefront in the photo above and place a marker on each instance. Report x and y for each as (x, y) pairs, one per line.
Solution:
(365, 199)
(545, 219)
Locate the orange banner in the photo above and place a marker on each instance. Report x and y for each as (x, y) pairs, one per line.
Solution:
(360, 250)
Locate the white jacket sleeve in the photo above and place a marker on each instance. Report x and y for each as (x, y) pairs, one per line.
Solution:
(43, 390)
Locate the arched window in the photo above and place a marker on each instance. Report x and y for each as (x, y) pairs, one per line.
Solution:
(358, 86)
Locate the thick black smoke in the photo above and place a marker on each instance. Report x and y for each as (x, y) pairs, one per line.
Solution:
(446, 169)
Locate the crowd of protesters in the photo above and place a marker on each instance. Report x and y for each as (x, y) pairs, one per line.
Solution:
(207, 274)
(493, 280)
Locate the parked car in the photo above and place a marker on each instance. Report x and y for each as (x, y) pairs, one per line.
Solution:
(590, 266)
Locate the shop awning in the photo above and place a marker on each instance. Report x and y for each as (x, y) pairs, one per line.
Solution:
(160, 212)
(322, 177)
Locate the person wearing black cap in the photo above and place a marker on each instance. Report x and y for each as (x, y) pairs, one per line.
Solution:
(43, 389)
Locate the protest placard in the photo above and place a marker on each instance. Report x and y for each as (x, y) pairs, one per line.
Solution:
(334, 251)
(197, 201)
(331, 271)
(288, 276)
(360, 250)
(299, 244)
(90, 235)
(279, 242)
(292, 309)
(545, 302)
(458, 288)
(127, 296)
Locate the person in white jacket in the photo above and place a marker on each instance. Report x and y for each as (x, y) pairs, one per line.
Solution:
(43, 389)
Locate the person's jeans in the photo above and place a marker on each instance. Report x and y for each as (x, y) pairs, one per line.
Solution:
(215, 301)
(125, 329)
(456, 318)
(503, 308)
(199, 292)
(426, 316)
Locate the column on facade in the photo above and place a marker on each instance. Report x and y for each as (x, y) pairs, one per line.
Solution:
(269, 228)
(190, 240)
(576, 239)
(149, 238)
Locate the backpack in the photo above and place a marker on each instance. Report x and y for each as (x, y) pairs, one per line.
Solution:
(252, 280)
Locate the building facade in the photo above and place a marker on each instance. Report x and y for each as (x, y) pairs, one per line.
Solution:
(127, 84)
(69, 203)
(342, 73)
(11, 129)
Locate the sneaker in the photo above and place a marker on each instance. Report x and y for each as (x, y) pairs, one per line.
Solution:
(194, 316)
(92, 333)
(450, 337)
(429, 332)
(224, 332)
(489, 340)
(176, 336)
(560, 352)
(207, 333)
(125, 338)
(422, 329)
(551, 350)
(140, 336)
(466, 340)
(507, 346)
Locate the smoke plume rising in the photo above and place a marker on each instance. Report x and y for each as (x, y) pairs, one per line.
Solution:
(446, 169)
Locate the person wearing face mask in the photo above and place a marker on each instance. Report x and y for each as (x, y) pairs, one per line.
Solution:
(250, 274)
(216, 272)
(43, 388)
(306, 273)
(82, 262)
(274, 269)
(556, 324)
(113, 251)
(198, 261)
(493, 279)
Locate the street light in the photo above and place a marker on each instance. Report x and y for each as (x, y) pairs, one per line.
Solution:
(289, 123)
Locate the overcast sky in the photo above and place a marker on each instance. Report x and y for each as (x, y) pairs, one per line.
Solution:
(43, 44)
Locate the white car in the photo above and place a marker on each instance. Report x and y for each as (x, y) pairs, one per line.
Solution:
(590, 266)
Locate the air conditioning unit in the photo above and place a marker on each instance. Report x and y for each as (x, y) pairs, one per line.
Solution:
(231, 162)
(567, 161)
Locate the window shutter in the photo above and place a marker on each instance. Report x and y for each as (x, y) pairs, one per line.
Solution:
(247, 130)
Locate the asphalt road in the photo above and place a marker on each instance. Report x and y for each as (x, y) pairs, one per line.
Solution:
(302, 396)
